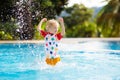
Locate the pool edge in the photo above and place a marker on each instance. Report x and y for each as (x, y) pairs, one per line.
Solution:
(64, 40)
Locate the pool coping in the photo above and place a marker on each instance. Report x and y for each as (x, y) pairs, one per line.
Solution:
(64, 40)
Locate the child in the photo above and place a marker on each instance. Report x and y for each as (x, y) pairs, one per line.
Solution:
(52, 37)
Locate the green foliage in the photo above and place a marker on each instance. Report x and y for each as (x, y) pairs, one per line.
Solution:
(7, 31)
(46, 8)
(5, 36)
(37, 35)
(6, 12)
(46, 3)
(36, 8)
(78, 14)
(109, 19)
(59, 5)
(78, 21)
(86, 29)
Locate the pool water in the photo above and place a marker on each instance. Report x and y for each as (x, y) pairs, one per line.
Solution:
(97, 60)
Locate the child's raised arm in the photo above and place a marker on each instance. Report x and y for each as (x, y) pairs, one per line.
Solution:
(40, 24)
(62, 26)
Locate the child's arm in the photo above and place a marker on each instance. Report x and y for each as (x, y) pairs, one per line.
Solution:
(40, 24)
(62, 26)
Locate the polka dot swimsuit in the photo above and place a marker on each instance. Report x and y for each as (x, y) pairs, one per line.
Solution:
(51, 43)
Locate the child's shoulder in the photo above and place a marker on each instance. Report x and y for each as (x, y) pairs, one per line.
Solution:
(59, 36)
(43, 33)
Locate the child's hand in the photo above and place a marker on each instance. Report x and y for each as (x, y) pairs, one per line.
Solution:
(61, 20)
(44, 20)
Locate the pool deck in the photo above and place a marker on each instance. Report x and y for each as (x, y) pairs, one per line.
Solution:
(64, 40)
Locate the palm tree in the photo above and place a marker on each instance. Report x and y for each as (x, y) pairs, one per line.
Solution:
(109, 19)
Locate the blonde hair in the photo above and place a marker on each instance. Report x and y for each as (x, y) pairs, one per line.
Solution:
(52, 23)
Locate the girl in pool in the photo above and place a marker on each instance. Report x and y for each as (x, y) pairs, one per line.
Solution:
(52, 36)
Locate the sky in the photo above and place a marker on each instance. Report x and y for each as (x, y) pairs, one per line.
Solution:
(88, 3)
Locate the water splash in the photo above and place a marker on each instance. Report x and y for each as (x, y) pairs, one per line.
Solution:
(23, 19)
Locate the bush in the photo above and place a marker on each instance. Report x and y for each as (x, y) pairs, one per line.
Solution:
(87, 29)
(7, 31)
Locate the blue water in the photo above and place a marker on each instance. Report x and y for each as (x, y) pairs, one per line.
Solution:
(92, 60)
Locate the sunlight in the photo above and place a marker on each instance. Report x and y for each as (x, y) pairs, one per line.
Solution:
(88, 3)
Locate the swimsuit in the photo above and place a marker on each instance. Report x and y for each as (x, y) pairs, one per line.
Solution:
(51, 46)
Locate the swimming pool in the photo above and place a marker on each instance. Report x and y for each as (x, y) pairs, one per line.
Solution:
(88, 60)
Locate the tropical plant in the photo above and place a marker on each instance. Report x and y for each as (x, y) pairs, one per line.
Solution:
(78, 21)
(108, 20)
(78, 14)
